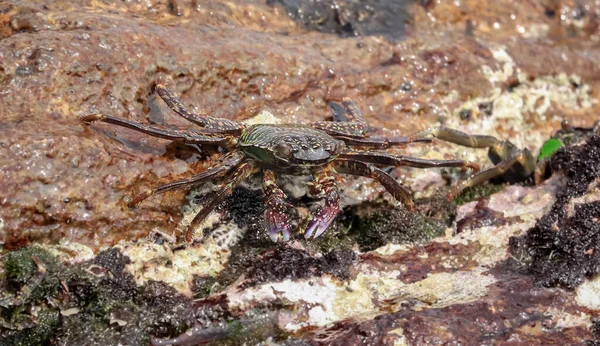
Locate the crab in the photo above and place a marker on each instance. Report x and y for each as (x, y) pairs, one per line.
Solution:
(319, 149)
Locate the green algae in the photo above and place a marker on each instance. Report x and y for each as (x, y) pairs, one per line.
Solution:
(474, 193)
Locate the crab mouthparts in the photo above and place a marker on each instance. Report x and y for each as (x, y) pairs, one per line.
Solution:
(312, 155)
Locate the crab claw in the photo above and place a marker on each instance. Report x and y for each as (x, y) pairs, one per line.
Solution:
(277, 221)
(323, 216)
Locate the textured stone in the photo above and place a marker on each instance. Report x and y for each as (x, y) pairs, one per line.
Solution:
(512, 69)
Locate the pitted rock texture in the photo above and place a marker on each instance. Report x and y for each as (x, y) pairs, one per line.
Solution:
(511, 69)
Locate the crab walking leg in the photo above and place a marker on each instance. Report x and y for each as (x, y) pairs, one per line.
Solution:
(348, 125)
(340, 129)
(354, 167)
(347, 121)
(220, 168)
(172, 134)
(490, 173)
(324, 187)
(276, 213)
(499, 150)
(522, 166)
(7, 300)
(397, 160)
(460, 138)
(380, 142)
(540, 170)
(242, 172)
(353, 113)
(223, 125)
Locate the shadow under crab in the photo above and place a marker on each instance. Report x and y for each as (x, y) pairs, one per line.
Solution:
(319, 150)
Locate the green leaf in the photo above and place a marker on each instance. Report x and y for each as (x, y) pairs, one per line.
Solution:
(549, 148)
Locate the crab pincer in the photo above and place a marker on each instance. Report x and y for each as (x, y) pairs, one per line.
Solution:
(277, 220)
(323, 217)
(324, 187)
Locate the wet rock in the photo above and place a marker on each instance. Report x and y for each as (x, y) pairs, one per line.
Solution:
(288, 263)
(563, 248)
(374, 226)
(349, 18)
(482, 216)
(380, 274)
(508, 312)
(91, 302)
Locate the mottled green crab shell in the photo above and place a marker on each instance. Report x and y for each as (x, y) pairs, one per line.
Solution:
(291, 149)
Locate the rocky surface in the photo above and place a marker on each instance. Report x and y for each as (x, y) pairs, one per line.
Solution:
(515, 267)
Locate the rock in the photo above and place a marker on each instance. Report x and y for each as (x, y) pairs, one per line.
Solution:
(485, 271)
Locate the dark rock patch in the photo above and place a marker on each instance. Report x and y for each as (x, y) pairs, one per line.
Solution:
(454, 256)
(91, 303)
(288, 263)
(349, 18)
(482, 216)
(564, 247)
(512, 310)
(375, 225)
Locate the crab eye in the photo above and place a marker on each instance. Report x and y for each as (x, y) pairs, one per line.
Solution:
(283, 149)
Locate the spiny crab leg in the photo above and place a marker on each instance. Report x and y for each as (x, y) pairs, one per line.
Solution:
(460, 138)
(348, 121)
(354, 167)
(220, 168)
(349, 125)
(324, 188)
(381, 142)
(518, 164)
(493, 172)
(241, 173)
(208, 122)
(276, 213)
(397, 160)
(498, 150)
(190, 137)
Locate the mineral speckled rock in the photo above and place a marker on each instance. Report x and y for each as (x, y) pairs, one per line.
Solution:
(514, 70)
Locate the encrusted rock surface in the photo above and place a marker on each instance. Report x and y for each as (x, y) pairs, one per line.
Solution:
(518, 266)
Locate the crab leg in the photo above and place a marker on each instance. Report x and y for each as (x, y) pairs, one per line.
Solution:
(397, 160)
(276, 213)
(498, 150)
(354, 167)
(505, 155)
(172, 134)
(540, 170)
(222, 125)
(460, 138)
(323, 187)
(220, 168)
(240, 173)
(497, 170)
(348, 125)
(347, 121)
(381, 142)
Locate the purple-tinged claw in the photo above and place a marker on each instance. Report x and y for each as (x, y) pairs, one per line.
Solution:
(321, 220)
(277, 222)
(323, 216)
(310, 229)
